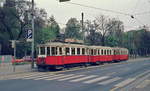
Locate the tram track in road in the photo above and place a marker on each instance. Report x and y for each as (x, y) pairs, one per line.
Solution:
(102, 67)
(131, 82)
(83, 70)
(89, 68)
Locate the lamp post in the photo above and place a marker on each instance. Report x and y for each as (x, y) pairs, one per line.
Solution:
(32, 54)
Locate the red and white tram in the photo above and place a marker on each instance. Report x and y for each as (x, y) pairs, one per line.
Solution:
(60, 55)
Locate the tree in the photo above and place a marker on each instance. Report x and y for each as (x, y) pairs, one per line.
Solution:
(54, 26)
(93, 37)
(73, 29)
(14, 21)
(101, 23)
(115, 32)
(50, 32)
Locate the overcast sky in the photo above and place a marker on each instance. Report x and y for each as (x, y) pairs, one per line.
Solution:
(63, 11)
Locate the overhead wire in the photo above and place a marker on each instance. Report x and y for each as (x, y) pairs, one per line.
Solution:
(106, 10)
(142, 13)
(112, 11)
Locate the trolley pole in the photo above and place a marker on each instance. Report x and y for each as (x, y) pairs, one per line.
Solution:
(32, 54)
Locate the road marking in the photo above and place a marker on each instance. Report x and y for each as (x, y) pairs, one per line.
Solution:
(109, 81)
(96, 79)
(83, 78)
(77, 76)
(143, 84)
(142, 74)
(109, 74)
(60, 77)
(125, 82)
(27, 75)
(48, 76)
(32, 77)
(16, 76)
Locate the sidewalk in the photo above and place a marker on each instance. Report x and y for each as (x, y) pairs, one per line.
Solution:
(8, 68)
(139, 59)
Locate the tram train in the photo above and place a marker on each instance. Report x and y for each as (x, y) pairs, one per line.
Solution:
(57, 55)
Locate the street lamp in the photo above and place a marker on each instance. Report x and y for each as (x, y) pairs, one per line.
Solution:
(32, 54)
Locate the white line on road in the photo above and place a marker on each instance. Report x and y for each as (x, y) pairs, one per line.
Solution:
(83, 78)
(27, 75)
(60, 77)
(125, 82)
(32, 77)
(109, 81)
(143, 84)
(77, 76)
(46, 77)
(96, 79)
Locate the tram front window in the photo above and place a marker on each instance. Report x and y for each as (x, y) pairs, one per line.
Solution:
(42, 50)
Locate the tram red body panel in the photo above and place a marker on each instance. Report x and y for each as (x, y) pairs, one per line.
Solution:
(54, 60)
(75, 59)
(62, 60)
(120, 57)
(102, 58)
(78, 54)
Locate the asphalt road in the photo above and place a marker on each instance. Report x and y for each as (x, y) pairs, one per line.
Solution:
(124, 76)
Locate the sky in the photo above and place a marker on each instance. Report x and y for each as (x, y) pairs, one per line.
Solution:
(64, 11)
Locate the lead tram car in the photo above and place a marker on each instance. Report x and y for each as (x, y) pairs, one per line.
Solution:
(56, 55)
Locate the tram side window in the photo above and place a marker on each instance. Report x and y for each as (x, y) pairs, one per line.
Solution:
(78, 51)
(102, 52)
(60, 51)
(92, 53)
(54, 51)
(67, 51)
(107, 52)
(42, 50)
(48, 51)
(95, 51)
(73, 51)
(110, 52)
(83, 51)
(98, 52)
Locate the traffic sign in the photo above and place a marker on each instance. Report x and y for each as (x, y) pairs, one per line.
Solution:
(29, 35)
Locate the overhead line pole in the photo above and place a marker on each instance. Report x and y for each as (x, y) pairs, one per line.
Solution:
(82, 14)
(32, 54)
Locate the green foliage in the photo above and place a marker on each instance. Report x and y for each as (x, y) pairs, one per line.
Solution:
(73, 29)
(45, 35)
(48, 33)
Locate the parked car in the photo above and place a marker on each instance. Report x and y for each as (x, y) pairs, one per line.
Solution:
(17, 61)
(27, 58)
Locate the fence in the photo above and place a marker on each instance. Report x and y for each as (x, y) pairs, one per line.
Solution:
(6, 66)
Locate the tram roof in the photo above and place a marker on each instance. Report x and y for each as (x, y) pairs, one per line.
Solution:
(77, 45)
(61, 44)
